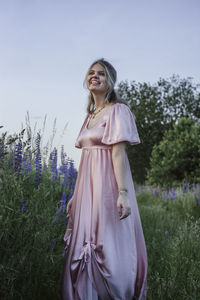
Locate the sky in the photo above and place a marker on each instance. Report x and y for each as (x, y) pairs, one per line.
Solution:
(46, 48)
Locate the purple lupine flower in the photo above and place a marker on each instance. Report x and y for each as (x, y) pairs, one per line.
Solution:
(187, 187)
(38, 162)
(18, 157)
(70, 176)
(72, 173)
(62, 206)
(164, 195)
(197, 198)
(24, 159)
(65, 172)
(64, 166)
(193, 186)
(63, 201)
(45, 167)
(155, 192)
(167, 234)
(137, 190)
(27, 163)
(50, 160)
(22, 206)
(183, 186)
(53, 158)
(172, 194)
(1, 149)
(63, 155)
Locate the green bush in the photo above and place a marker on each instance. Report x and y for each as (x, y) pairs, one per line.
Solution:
(177, 157)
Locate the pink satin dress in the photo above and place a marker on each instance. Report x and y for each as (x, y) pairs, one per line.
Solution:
(105, 257)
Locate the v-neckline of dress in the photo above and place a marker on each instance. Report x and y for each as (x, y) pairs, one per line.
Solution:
(99, 119)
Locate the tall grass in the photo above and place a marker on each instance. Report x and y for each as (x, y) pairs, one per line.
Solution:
(172, 232)
(34, 192)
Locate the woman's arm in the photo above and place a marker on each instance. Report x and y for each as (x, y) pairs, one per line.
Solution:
(118, 159)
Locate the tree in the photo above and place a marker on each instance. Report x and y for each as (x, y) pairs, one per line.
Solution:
(157, 108)
(177, 157)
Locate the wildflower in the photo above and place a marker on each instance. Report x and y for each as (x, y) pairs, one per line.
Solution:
(155, 192)
(38, 164)
(63, 155)
(64, 166)
(137, 189)
(27, 162)
(167, 234)
(164, 195)
(60, 212)
(197, 198)
(172, 194)
(72, 174)
(186, 186)
(63, 201)
(53, 159)
(45, 167)
(1, 149)
(18, 157)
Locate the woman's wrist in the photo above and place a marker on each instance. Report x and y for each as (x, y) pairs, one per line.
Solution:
(122, 191)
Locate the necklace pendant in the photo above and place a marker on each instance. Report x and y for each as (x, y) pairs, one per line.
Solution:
(93, 116)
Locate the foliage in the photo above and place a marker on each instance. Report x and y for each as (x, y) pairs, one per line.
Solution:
(172, 230)
(33, 218)
(156, 108)
(33, 198)
(177, 157)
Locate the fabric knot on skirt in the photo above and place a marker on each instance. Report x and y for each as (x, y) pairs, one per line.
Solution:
(90, 260)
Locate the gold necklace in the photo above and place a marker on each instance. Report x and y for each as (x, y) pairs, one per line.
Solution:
(94, 114)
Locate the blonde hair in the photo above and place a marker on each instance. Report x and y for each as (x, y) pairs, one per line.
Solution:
(111, 77)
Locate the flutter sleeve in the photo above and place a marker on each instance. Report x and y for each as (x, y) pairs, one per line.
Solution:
(120, 126)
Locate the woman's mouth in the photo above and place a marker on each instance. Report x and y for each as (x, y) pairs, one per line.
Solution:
(95, 82)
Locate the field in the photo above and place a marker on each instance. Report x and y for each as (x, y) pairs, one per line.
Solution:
(33, 200)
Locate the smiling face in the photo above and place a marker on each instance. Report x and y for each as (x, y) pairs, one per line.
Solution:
(96, 79)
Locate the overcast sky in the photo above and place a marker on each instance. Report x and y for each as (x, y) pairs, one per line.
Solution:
(47, 46)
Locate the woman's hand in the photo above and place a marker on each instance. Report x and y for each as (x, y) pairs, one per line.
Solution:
(69, 205)
(123, 206)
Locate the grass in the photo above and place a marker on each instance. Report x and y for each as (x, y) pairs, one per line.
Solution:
(33, 223)
(31, 242)
(172, 234)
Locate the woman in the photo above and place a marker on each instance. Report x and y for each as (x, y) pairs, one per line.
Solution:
(105, 248)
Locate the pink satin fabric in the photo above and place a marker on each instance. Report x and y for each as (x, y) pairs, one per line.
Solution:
(105, 257)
